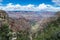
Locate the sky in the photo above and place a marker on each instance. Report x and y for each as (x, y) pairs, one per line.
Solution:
(30, 5)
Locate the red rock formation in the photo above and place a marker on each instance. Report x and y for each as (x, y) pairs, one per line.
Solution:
(19, 24)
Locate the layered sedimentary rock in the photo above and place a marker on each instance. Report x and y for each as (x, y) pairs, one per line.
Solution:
(3, 18)
(19, 24)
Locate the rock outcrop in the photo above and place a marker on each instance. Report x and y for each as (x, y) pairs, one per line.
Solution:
(3, 17)
(19, 24)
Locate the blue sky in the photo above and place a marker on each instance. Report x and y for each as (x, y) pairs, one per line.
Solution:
(30, 5)
(26, 2)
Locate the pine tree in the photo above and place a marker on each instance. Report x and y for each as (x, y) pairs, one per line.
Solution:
(4, 30)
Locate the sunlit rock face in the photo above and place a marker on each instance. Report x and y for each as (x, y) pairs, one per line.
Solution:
(58, 14)
(19, 24)
(3, 17)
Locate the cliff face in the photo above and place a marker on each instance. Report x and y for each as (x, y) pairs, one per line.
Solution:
(22, 23)
(3, 17)
(19, 24)
(43, 23)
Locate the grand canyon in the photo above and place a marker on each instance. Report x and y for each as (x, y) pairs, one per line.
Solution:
(27, 22)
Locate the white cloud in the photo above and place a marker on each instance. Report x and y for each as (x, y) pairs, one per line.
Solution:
(57, 2)
(30, 7)
(42, 6)
(52, 8)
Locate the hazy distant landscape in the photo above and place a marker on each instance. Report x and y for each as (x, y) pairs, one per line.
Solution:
(29, 25)
(30, 14)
